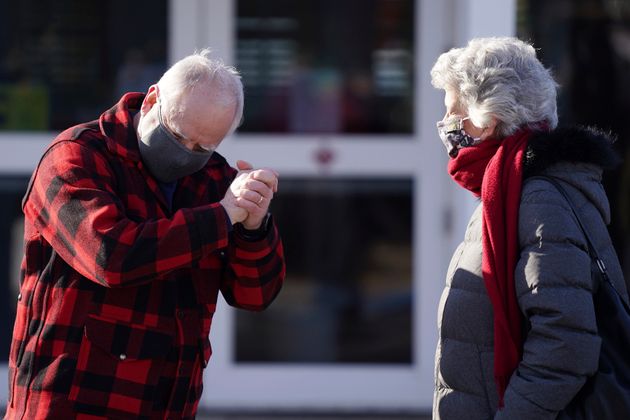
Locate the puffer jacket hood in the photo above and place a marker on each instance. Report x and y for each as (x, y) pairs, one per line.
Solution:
(576, 155)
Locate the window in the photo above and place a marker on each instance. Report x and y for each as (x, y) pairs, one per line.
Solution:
(347, 298)
(326, 66)
(66, 61)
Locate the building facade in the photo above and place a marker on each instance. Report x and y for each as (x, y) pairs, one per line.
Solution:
(339, 101)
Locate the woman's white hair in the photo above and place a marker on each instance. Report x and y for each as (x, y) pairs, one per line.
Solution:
(200, 71)
(500, 78)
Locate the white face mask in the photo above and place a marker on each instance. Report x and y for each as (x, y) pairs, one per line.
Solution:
(166, 157)
(453, 135)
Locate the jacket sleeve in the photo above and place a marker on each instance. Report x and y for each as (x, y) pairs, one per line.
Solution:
(554, 288)
(73, 205)
(255, 270)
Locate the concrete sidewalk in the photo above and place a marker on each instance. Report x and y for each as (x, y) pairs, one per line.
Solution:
(310, 416)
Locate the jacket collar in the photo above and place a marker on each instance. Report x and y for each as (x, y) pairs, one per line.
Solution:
(577, 145)
(117, 125)
(577, 156)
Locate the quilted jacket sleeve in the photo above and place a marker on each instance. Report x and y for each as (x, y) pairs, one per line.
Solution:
(72, 204)
(554, 288)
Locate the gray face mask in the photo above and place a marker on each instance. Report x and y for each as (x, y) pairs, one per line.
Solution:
(168, 159)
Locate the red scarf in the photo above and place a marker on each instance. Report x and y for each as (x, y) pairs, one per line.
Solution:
(494, 171)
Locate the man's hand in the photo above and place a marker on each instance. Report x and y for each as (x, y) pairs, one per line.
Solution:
(248, 198)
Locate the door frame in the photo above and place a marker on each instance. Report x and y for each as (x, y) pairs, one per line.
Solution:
(324, 387)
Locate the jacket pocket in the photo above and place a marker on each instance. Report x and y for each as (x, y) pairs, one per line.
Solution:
(118, 367)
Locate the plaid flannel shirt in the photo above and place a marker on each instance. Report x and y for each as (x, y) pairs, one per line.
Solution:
(118, 290)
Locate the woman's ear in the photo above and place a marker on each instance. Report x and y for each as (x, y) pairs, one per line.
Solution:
(490, 129)
(149, 100)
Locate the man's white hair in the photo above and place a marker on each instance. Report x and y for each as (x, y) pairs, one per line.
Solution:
(198, 70)
(500, 78)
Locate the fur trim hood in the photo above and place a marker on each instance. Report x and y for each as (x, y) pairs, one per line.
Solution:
(570, 144)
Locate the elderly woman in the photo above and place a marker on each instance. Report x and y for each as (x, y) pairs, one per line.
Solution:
(517, 330)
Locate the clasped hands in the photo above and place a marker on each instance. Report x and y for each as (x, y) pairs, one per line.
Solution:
(248, 197)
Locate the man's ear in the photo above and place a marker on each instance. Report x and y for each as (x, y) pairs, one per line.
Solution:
(149, 100)
(490, 129)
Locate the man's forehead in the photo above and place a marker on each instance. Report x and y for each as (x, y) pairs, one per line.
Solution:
(200, 116)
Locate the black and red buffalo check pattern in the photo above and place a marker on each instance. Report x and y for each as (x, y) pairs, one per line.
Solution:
(119, 288)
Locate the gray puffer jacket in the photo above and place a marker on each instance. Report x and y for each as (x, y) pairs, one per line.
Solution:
(553, 284)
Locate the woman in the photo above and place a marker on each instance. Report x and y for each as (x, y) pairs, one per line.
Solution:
(517, 331)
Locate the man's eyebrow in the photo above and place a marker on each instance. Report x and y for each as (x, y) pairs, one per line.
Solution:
(176, 132)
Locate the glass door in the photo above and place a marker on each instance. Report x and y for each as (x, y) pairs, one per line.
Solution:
(333, 98)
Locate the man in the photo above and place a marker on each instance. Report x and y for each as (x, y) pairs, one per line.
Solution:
(132, 227)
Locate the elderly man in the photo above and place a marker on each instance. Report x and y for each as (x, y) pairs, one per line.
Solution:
(132, 227)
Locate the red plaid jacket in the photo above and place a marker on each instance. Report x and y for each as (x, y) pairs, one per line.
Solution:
(118, 290)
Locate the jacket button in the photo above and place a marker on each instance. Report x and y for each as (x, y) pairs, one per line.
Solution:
(122, 356)
(222, 253)
(19, 296)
